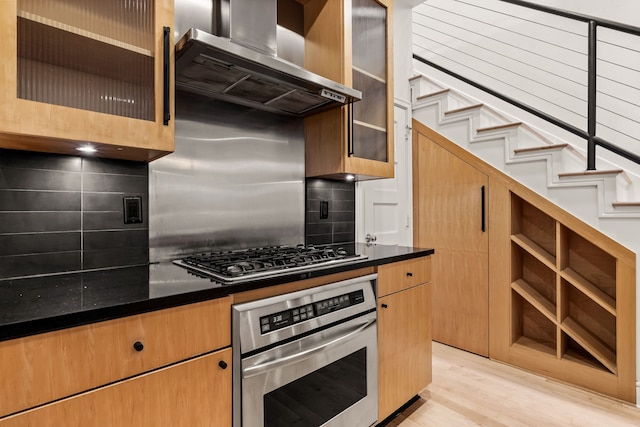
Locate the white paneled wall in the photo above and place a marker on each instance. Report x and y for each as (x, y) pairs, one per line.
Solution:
(618, 97)
(504, 47)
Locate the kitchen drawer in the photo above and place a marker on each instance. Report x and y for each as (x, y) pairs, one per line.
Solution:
(196, 393)
(402, 275)
(41, 368)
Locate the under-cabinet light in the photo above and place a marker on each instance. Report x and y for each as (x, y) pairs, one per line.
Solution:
(350, 177)
(87, 149)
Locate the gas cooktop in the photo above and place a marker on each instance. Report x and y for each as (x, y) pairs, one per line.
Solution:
(248, 264)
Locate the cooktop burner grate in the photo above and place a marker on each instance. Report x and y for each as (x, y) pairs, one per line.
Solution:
(246, 264)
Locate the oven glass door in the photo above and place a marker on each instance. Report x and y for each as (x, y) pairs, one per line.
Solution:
(326, 379)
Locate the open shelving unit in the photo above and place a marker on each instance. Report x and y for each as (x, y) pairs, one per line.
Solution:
(570, 316)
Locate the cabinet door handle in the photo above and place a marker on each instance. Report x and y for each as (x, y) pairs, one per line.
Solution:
(166, 69)
(384, 306)
(138, 346)
(222, 364)
(350, 130)
(482, 207)
(409, 274)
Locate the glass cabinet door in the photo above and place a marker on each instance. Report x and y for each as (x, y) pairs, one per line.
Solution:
(93, 55)
(369, 46)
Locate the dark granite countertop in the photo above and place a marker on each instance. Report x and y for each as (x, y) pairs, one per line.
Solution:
(34, 305)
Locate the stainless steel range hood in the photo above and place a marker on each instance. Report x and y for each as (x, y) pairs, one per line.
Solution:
(239, 64)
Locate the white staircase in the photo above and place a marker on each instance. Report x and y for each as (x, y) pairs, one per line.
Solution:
(608, 198)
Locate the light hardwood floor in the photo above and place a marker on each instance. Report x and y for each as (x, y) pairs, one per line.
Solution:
(469, 390)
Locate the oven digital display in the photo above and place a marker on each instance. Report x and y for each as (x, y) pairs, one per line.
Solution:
(289, 317)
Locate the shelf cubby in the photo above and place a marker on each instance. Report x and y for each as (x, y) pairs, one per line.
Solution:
(537, 300)
(530, 328)
(534, 277)
(533, 226)
(574, 352)
(573, 297)
(591, 343)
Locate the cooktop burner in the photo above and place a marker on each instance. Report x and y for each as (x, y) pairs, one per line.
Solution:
(248, 264)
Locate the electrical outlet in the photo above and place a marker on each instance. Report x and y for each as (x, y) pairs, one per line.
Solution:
(324, 209)
(133, 210)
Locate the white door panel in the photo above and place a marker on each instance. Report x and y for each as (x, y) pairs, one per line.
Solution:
(384, 205)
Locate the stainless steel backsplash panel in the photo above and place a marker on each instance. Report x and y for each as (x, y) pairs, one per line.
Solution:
(235, 180)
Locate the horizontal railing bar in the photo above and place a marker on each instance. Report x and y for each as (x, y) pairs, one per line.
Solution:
(617, 150)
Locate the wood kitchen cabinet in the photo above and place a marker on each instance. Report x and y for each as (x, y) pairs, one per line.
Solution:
(350, 41)
(561, 301)
(404, 332)
(195, 393)
(78, 72)
(572, 299)
(451, 216)
(41, 368)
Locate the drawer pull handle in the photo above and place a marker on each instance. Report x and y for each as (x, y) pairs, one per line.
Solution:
(384, 306)
(223, 364)
(409, 274)
(138, 346)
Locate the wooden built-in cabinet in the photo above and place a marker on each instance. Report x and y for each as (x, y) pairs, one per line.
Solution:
(87, 72)
(404, 332)
(451, 215)
(572, 304)
(195, 393)
(350, 41)
(561, 299)
(39, 369)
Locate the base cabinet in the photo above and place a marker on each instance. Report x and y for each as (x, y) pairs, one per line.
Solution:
(196, 393)
(404, 338)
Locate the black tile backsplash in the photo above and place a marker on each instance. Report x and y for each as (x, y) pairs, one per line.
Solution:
(340, 225)
(65, 213)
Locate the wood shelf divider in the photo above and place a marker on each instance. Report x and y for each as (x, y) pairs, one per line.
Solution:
(589, 289)
(532, 344)
(535, 250)
(83, 33)
(590, 343)
(533, 297)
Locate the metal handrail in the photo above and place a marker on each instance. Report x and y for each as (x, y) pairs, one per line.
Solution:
(590, 134)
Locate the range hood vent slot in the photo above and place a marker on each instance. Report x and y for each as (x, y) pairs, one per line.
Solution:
(219, 68)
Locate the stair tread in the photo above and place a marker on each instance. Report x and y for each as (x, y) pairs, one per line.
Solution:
(623, 204)
(440, 92)
(591, 173)
(465, 108)
(540, 148)
(498, 127)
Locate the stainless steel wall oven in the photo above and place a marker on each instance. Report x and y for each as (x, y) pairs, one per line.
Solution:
(307, 358)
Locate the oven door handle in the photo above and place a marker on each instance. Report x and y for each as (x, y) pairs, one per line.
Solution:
(255, 370)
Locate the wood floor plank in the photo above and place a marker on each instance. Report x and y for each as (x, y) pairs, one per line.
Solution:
(469, 390)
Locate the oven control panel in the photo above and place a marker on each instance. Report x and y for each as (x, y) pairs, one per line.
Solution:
(291, 316)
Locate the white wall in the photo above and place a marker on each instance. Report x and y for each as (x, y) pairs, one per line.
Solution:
(623, 11)
(402, 52)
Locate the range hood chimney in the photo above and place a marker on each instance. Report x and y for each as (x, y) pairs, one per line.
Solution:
(238, 63)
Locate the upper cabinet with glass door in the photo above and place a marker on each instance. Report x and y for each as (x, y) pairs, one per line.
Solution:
(87, 73)
(356, 140)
